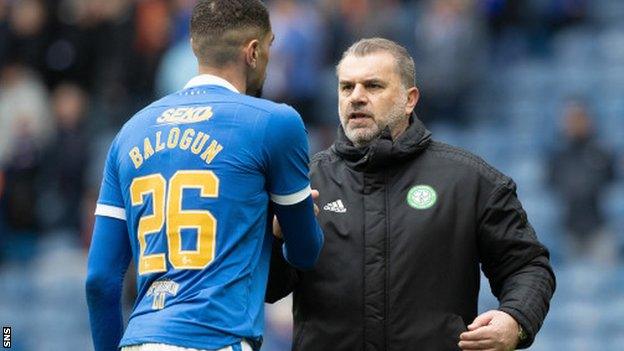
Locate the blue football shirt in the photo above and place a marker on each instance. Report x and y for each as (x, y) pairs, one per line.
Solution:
(192, 174)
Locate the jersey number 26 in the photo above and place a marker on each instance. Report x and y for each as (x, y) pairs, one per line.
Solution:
(167, 208)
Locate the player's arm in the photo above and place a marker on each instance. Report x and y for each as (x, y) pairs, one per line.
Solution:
(303, 238)
(286, 148)
(109, 257)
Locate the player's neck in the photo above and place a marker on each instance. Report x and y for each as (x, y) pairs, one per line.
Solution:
(230, 73)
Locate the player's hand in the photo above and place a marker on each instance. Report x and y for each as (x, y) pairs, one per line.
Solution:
(492, 331)
(277, 230)
(315, 195)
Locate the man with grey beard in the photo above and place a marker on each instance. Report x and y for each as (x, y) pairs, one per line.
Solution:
(408, 222)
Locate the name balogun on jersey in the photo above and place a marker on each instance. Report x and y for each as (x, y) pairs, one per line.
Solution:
(187, 139)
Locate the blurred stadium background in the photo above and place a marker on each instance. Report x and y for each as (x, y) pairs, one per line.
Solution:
(497, 78)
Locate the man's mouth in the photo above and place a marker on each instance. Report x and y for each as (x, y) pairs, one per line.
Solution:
(359, 115)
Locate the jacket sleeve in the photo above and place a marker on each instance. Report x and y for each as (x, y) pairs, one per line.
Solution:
(515, 262)
(282, 276)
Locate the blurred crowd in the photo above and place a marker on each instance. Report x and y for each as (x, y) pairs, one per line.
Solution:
(73, 71)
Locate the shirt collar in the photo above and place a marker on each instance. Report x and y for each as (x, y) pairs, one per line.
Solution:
(209, 79)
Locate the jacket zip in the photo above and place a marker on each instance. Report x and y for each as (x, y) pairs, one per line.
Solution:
(363, 231)
(387, 264)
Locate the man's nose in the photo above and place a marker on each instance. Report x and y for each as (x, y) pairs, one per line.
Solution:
(358, 96)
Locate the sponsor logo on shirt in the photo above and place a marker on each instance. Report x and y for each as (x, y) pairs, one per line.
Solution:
(185, 115)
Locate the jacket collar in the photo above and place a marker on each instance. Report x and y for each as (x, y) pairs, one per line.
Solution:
(383, 152)
(209, 79)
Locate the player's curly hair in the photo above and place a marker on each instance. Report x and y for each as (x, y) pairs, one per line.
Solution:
(220, 27)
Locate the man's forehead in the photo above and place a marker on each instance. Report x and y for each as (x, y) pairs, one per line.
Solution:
(377, 65)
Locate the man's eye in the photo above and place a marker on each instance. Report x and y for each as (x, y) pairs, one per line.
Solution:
(346, 87)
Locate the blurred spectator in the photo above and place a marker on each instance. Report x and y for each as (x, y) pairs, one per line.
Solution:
(294, 70)
(152, 37)
(22, 170)
(347, 22)
(4, 32)
(181, 16)
(450, 49)
(90, 38)
(351, 20)
(66, 160)
(580, 172)
(177, 67)
(564, 13)
(529, 24)
(18, 222)
(23, 111)
(27, 37)
(24, 129)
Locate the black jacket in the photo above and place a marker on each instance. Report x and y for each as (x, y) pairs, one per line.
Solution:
(400, 266)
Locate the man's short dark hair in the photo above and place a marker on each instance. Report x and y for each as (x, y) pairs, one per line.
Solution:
(220, 27)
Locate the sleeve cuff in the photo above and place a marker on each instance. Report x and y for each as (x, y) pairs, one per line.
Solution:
(294, 198)
(110, 211)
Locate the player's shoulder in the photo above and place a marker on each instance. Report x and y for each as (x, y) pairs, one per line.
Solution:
(276, 116)
(274, 109)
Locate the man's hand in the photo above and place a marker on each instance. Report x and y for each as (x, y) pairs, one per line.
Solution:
(277, 230)
(492, 331)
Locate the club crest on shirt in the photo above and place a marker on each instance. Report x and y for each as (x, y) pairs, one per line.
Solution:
(159, 290)
(185, 115)
(422, 197)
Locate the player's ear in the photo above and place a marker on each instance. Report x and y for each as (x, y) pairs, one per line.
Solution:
(251, 53)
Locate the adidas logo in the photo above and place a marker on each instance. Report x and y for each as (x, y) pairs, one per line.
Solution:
(335, 206)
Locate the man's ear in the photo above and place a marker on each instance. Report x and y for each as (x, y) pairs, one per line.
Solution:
(412, 99)
(251, 53)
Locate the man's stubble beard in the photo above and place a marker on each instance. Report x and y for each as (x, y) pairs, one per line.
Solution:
(361, 137)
